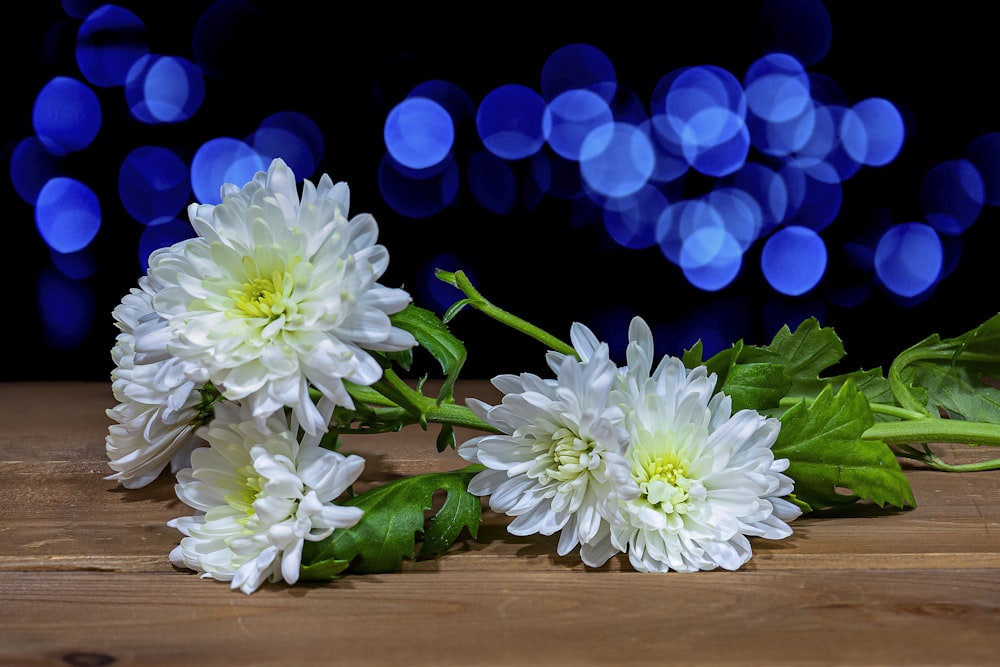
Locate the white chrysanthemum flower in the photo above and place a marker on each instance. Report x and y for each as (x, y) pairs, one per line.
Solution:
(276, 293)
(558, 464)
(260, 494)
(707, 478)
(161, 399)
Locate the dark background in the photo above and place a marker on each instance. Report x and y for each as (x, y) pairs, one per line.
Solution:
(346, 66)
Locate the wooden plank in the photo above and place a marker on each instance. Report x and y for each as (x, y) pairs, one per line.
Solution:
(79, 514)
(86, 577)
(915, 617)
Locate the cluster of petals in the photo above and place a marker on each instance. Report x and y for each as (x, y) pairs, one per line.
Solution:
(278, 294)
(159, 395)
(558, 463)
(708, 478)
(260, 494)
(275, 296)
(648, 462)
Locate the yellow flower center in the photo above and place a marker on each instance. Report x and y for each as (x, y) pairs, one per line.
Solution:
(264, 297)
(562, 458)
(242, 498)
(570, 455)
(664, 480)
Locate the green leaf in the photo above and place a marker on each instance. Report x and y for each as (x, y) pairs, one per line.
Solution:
(460, 510)
(805, 354)
(324, 570)
(393, 514)
(830, 462)
(959, 390)
(809, 351)
(949, 374)
(693, 357)
(757, 386)
(434, 336)
(446, 438)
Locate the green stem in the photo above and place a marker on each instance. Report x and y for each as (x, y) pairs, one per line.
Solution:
(930, 458)
(916, 428)
(930, 429)
(899, 435)
(391, 419)
(457, 415)
(900, 389)
(476, 300)
(895, 411)
(880, 408)
(424, 409)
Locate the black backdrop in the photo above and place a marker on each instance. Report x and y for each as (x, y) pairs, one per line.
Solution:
(346, 66)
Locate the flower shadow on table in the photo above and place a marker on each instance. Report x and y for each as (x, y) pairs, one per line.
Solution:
(160, 491)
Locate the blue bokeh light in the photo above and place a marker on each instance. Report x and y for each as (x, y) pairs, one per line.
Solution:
(908, 259)
(164, 89)
(822, 156)
(570, 117)
(66, 115)
(952, 195)
(67, 310)
(492, 182)
(509, 121)
(631, 221)
(682, 218)
(873, 132)
(670, 161)
(710, 258)
(222, 160)
(418, 193)
(109, 41)
(984, 154)
(706, 110)
(777, 88)
(819, 201)
(80, 9)
(78, 265)
(616, 160)
(67, 214)
(450, 96)
(716, 142)
(578, 67)
(739, 213)
(153, 184)
(838, 164)
(292, 136)
(31, 167)
(418, 133)
(782, 139)
(800, 27)
(793, 260)
(768, 190)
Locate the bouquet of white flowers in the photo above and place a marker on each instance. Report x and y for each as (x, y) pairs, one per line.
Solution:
(249, 353)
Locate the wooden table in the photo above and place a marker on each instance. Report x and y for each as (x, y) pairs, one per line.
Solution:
(87, 581)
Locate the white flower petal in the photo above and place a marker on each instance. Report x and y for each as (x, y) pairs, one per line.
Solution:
(268, 275)
(707, 479)
(557, 463)
(253, 489)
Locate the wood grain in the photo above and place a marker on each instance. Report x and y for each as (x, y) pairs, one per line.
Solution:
(86, 579)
